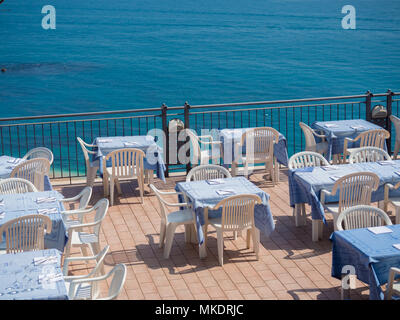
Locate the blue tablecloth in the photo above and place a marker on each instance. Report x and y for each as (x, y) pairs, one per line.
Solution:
(21, 204)
(6, 168)
(19, 277)
(337, 131)
(152, 161)
(204, 195)
(372, 255)
(305, 185)
(229, 137)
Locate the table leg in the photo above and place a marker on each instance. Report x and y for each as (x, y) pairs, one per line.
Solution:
(297, 214)
(348, 283)
(276, 167)
(234, 169)
(316, 230)
(202, 248)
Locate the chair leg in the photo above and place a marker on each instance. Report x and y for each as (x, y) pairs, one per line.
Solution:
(205, 233)
(188, 233)
(111, 191)
(303, 214)
(248, 234)
(397, 215)
(105, 185)
(235, 235)
(141, 187)
(162, 234)
(255, 232)
(220, 243)
(118, 185)
(246, 170)
(169, 239)
(396, 150)
(91, 176)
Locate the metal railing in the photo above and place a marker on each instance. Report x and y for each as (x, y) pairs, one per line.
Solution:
(59, 132)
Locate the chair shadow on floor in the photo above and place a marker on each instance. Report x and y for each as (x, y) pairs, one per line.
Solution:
(330, 293)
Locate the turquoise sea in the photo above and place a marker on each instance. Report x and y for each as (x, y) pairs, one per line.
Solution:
(125, 54)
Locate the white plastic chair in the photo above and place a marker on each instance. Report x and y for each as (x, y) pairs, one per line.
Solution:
(300, 160)
(68, 215)
(393, 287)
(206, 172)
(361, 216)
(259, 149)
(211, 151)
(237, 215)
(25, 233)
(77, 237)
(126, 164)
(368, 154)
(91, 166)
(396, 122)
(311, 144)
(40, 152)
(86, 289)
(371, 138)
(354, 189)
(16, 185)
(32, 170)
(394, 201)
(170, 221)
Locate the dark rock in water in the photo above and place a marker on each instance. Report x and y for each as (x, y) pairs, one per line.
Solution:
(3, 69)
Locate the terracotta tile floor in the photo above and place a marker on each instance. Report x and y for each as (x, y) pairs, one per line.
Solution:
(290, 266)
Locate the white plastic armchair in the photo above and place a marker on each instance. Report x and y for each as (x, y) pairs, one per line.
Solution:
(212, 150)
(237, 215)
(368, 154)
(91, 166)
(354, 189)
(40, 152)
(311, 144)
(83, 197)
(393, 288)
(259, 149)
(16, 185)
(25, 233)
(394, 201)
(83, 289)
(362, 217)
(77, 237)
(300, 160)
(396, 122)
(170, 221)
(371, 138)
(32, 170)
(207, 171)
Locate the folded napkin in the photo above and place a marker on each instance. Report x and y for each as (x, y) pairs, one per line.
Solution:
(380, 229)
(14, 161)
(330, 168)
(46, 199)
(397, 246)
(357, 127)
(330, 125)
(48, 211)
(44, 260)
(128, 144)
(2, 202)
(397, 172)
(50, 277)
(386, 163)
(2, 215)
(334, 178)
(104, 140)
(215, 181)
(225, 192)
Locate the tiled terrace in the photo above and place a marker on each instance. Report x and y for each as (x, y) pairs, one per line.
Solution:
(291, 266)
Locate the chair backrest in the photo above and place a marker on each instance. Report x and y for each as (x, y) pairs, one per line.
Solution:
(126, 163)
(16, 185)
(40, 152)
(307, 159)
(355, 189)
(368, 154)
(260, 142)
(373, 138)
(162, 202)
(194, 141)
(117, 282)
(238, 211)
(25, 233)
(396, 121)
(101, 208)
(84, 197)
(207, 171)
(362, 216)
(308, 135)
(32, 170)
(84, 150)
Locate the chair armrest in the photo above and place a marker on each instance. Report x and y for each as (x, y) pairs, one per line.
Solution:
(322, 136)
(79, 227)
(392, 273)
(72, 259)
(72, 212)
(325, 193)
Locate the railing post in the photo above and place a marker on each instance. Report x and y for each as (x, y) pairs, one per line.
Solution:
(187, 126)
(368, 111)
(389, 100)
(164, 108)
